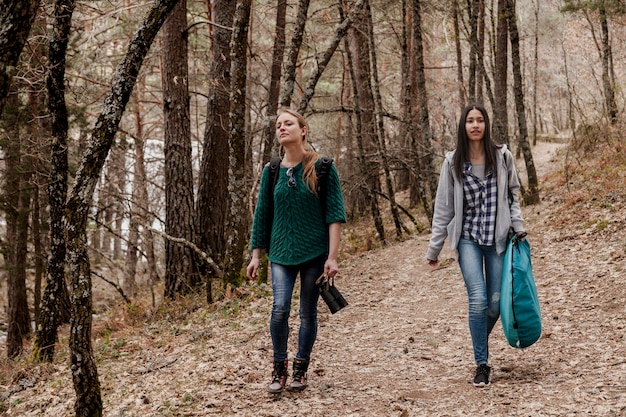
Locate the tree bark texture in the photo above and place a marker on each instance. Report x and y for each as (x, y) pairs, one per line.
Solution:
(358, 59)
(532, 195)
(140, 193)
(292, 54)
(83, 366)
(55, 289)
(340, 32)
(15, 190)
(117, 169)
(38, 245)
(480, 31)
(212, 200)
(380, 125)
(270, 145)
(500, 115)
(237, 189)
(472, 11)
(459, 54)
(181, 273)
(139, 202)
(405, 173)
(607, 80)
(16, 19)
(427, 174)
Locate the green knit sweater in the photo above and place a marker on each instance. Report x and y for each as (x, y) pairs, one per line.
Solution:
(298, 232)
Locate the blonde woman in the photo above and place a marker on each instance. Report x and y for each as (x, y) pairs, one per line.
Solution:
(303, 239)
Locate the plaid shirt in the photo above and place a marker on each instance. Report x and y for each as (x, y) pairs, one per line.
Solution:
(480, 206)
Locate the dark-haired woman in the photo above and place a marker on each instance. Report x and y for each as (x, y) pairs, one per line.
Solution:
(475, 208)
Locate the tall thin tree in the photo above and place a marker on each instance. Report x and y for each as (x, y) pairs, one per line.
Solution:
(84, 371)
(212, 200)
(427, 172)
(357, 49)
(380, 125)
(278, 52)
(14, 198)
(292, 54)
(532, 194)
(500, 115)
(181, 272)
(55, 289)
(238, 212)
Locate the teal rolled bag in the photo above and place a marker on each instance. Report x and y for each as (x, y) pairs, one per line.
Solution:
(519, 304)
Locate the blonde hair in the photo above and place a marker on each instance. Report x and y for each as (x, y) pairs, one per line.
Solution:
(310, 156)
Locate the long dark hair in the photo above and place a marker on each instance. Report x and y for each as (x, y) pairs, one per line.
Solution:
(462, 143)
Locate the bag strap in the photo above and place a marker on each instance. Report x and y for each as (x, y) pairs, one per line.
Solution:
(325, 280)
(515, 241)
(323, 172)
(274, 167)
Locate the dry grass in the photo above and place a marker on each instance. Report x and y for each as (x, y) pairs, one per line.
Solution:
(402, 346)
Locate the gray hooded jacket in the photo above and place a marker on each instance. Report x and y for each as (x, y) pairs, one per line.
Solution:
(448, 216)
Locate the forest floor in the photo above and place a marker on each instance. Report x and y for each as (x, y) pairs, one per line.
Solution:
(401, 348)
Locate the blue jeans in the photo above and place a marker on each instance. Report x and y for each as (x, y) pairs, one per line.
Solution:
(283, 282)
(481, 267)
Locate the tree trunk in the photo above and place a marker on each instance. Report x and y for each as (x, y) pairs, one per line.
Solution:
(181, 273)
(212, 200)
(13, 200)
(119, 184)
(500, 117)
(293, 52)
(340, 32)
(238, 212)
(359, 62)
(607, 81)
(535, 69)
(270, 145)
(55, 289)
(38, 254)
(427, 174)
(84, 371)
(472, 11)
(380, 124)
(141, 204)
(459, 54)
(106, 200)
(405, 172)
(532, 195)
(417, 188)
(480, 30)
(16, 19)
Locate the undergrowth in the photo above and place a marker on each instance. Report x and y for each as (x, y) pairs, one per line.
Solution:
(593, 176)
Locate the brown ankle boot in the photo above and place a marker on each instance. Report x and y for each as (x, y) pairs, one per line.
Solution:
(300, 367)
(279, 378)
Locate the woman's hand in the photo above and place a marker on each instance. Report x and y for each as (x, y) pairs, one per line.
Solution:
(331, 268)
(432, 262)
(253, 266)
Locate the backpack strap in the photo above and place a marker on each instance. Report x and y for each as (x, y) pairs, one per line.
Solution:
(323, 172)
(274, 167)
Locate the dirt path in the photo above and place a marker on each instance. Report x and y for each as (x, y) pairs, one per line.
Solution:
(402, 347)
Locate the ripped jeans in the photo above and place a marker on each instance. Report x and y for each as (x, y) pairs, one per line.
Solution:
(481, 268)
